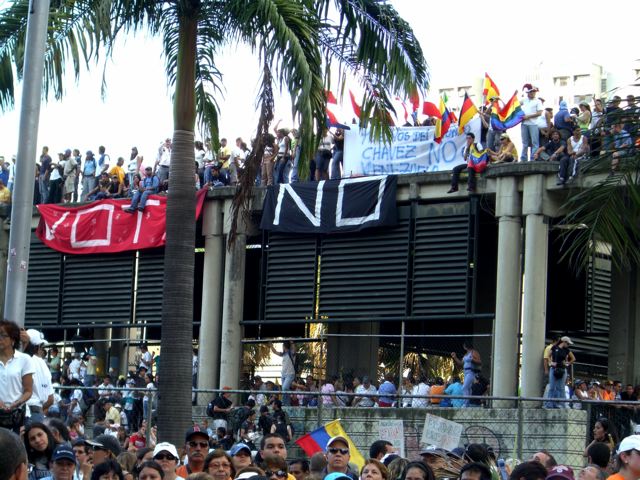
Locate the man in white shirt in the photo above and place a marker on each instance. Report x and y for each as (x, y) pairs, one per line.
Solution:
(146, 360)
(422, 390)
(362, 390)
(163, 160)
(42, 396)
(532, 108)
(74, 367)
(106, 389)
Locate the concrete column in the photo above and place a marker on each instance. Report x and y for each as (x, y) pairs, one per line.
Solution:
(357, 355)
(118, 358)
(624, 341)
(4, 255)
(209, 341)
(233, 303)
(504, 369)
(535, 287)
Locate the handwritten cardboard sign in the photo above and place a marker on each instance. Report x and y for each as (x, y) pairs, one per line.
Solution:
(441, 432)
(392, 431)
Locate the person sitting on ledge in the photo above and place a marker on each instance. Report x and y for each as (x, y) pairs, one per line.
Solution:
(476, 162)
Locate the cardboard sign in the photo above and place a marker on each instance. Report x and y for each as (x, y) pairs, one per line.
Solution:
(392, 431)
(441, 432)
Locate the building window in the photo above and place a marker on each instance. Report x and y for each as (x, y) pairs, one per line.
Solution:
(561, 81)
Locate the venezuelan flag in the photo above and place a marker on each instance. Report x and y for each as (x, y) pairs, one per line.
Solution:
(489, 88)
(477, 159)
(316, 441)
(444, 122)
(467, 112)
(508, 116)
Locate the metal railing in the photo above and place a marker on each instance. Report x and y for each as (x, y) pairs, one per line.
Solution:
(512, 426)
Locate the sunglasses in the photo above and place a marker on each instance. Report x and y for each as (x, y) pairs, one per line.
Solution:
(277, 473)
(199, 444)
(343, 451)
(164, 456)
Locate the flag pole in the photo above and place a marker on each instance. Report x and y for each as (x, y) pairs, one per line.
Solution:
(22, 209)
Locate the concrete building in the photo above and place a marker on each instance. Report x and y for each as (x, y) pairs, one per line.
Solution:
(488, 267)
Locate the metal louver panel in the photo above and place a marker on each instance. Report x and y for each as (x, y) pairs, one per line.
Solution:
(43, 285)
(599, 295)
(290, 278)
(365, 274)
(149, 292)
(97, 288)
(441, 260)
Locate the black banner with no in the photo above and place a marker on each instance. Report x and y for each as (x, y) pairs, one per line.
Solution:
(330, 206)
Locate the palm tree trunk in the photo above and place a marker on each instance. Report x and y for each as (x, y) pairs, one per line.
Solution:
(174, 413)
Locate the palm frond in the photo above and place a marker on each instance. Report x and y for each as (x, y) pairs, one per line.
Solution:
(373, 43)
(606, 213)
(288, 40)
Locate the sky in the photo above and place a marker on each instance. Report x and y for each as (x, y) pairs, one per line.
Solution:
(504, 38)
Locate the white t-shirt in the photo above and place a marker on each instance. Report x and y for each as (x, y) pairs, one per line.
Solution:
(105, 390)
(55, 173)
(77, 396)
(11, 375)
(421, 389)
(74, 369)
(200, 157)
(146, 360)
(361, 390)
(194, 365)
(41, 383)
(287, 365)
(529, 107)
(133, 166)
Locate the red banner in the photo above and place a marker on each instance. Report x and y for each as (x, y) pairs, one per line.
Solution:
(104, 227)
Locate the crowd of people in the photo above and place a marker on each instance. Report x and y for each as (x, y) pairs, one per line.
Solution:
(42, 453)
(569, 137)
(251, 439)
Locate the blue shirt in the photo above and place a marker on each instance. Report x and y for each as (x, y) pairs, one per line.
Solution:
(455, 389)
(389, 389)
(89, 167)
(151, 183)
(562, 120)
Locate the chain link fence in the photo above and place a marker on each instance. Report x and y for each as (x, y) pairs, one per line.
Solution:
(512, 427)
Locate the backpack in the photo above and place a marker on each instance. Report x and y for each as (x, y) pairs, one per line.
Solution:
(282, 421)
(237, 417)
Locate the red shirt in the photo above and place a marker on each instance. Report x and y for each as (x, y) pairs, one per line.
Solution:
(137, 441)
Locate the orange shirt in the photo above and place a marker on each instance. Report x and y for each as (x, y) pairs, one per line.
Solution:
(182, 471)
(610, 396)
(615, 476)
(437, 390)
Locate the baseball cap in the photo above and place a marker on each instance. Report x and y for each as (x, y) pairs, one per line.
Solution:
(332, 440)
(632, 442)
(560, 471)
(433, 450)
(36, 337)
(166, 447)
(108, 442)
(192, 433)
(238, 447)
(63, 452)
(336, 476)
(566, 339)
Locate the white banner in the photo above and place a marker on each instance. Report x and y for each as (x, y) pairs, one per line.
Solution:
(392, 430)
(412, 150)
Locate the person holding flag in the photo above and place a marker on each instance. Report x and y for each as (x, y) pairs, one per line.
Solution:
(476, 162)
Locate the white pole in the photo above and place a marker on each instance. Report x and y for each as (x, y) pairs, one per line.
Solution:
(20, 234)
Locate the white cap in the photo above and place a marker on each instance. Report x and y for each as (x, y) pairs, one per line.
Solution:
(335, 439)
(566, 339)
(632, 442)
(36, 337)
(166, 447)
(245, 475)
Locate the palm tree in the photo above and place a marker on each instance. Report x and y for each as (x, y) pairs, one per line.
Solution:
(298, 41)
